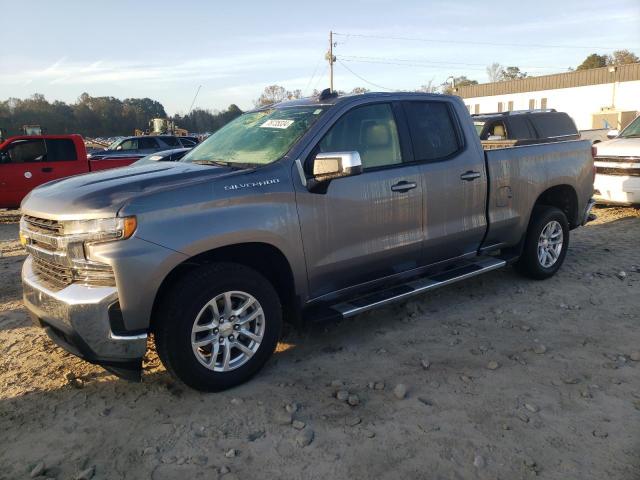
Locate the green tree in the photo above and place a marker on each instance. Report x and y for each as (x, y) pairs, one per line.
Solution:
(203, 121)
(593, 61)
(512, 73)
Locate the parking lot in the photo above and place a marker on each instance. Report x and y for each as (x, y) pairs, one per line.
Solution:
(505, 378)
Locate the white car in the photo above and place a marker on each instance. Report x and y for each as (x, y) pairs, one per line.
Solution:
(617, 165)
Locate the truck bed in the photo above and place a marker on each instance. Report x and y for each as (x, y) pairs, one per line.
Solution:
(519, 175)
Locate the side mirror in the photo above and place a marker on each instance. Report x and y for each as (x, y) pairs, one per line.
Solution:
(612, 133)
(119, 147)
(327, 166)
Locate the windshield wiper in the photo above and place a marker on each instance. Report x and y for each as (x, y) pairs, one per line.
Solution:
(223, 163)
(219, 163)
(635, 135)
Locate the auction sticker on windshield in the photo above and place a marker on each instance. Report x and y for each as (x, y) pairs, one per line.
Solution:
(277, 124)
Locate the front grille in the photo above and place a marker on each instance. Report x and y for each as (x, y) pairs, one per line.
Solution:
(43, 225)
(58, 277)
(51, 261)
(52, 275)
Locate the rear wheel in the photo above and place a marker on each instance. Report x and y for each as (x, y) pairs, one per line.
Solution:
(218, 326)
(546, 243)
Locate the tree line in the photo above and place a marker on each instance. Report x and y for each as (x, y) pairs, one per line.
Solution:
(102, 116)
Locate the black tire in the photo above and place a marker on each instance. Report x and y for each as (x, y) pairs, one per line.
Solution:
(529, 264)
(177, 314)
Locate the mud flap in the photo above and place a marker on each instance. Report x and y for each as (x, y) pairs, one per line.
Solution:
(131, 371)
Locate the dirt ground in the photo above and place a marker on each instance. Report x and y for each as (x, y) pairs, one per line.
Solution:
(506, 378)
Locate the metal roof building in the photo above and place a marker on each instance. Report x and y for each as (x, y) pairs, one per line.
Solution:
(607, 97)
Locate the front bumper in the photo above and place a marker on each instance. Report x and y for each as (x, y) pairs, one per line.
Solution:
(617, 189)
(587, 216)
(77, 319)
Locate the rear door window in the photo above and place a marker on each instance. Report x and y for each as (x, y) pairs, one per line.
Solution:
(24, 151)
(553, 124)
(433, 130)
(520, 128)
(60, 150)
(145, 143)
(171, 141)
(129, 144)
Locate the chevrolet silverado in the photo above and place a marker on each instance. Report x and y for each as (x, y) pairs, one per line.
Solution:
(310, 209)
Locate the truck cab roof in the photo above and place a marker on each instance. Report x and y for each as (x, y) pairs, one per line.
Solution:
(335, 99)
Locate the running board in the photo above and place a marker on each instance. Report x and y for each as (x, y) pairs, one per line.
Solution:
(414, 287)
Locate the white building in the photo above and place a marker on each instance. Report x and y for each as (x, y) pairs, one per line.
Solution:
(607, 97)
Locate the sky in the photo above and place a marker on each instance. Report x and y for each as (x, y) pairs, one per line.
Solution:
(232, 50)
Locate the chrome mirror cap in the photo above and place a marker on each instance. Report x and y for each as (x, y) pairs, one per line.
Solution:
(327, 166)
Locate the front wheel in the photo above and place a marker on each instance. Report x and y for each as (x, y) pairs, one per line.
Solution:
(546, 243)
(218, 326)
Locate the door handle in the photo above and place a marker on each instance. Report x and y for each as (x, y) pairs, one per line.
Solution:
(403, 186)
(47, 169)
(470, 176)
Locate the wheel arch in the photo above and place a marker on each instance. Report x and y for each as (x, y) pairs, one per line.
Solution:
(563, 197)
(265, 258)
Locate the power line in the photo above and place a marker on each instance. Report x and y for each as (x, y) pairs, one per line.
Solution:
(324, 72)
(420, 62)
(313, 75)
(465, 42)
(404, 64)
(364, 79)
(194, 99)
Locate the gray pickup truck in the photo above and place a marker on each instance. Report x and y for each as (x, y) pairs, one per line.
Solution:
(311, 209)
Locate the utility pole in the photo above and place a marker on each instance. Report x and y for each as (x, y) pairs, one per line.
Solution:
(331, 58)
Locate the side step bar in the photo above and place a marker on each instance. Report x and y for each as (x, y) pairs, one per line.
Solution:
(414, 287)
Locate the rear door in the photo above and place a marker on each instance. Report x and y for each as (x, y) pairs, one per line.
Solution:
(368, 226)
(61, 160)
(147, 145)
(453, 177)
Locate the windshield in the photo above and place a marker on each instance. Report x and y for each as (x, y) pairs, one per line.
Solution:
(479, 126)
(114, 144)
(257, 138)
(632, 130)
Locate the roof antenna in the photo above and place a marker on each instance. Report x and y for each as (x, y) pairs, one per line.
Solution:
(327, 93)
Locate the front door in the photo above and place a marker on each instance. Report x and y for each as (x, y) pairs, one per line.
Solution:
(26, 163)
(367, 226)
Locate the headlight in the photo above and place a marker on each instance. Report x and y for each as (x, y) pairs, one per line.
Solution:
(100, 229)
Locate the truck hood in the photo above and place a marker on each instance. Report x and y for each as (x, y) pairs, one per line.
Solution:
(619, 147)
(102, 194)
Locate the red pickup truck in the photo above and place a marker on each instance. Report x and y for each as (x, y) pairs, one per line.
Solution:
(31, 160)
